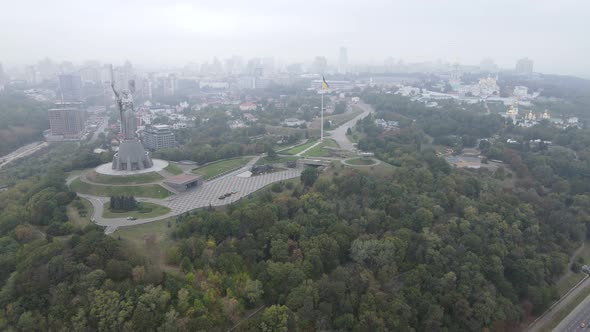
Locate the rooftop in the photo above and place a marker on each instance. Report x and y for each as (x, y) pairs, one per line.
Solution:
(182, 179)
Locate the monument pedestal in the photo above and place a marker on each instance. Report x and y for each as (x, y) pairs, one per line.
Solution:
(131, 156)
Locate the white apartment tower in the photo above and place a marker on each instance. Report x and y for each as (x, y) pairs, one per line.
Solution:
(343, 61)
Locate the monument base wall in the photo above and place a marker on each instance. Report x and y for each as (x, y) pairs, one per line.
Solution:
(131, 156)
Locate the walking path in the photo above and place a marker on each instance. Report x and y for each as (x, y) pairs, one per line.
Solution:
(206, 195)
(210, 192)
(375, 163)
(309, 148)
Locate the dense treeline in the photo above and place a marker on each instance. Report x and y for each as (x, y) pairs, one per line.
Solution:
(122, 203)
(213, 140)
(63, 156)
(465, 122)
(56, 275)
(21, 121)
(424, 247)
(562, 164)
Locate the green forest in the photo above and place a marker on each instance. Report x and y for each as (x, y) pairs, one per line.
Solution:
(423, 247)
(21, 121)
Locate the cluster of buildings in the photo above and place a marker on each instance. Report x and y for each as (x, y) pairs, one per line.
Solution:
(530, 118)
(485, 87)
(387, 125)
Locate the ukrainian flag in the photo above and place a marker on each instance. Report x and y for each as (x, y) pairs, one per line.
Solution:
(325, 85)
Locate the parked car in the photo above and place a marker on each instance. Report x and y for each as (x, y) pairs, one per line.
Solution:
(131, 218)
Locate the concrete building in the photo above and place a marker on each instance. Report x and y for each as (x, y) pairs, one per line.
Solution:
(524, 66)
(512, 113)
(159, 137)
(488, 65)
(70, 87)
(343, 61)
(184, 182)
(247, 82)
(248, 106)
(293, 122)
(90, 75)
(520, 91)
(488, 86)
(66, 120)
(250, 118)
(334, 85)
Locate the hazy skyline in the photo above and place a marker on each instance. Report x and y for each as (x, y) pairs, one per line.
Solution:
(148, 32)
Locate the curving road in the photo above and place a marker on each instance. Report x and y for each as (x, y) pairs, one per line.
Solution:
(203, 196)
(339, 134)
(209, 193)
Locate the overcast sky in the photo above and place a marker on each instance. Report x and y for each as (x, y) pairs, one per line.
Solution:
(552, 33)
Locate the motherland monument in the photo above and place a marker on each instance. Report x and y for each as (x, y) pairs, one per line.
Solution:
(131, 155)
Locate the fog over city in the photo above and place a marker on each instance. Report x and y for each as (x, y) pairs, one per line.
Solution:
(176, 32)
(280, 165)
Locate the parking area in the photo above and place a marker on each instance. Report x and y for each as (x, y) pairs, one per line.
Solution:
(209, 193)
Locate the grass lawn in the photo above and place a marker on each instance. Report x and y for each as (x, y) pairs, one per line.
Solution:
(148, 190)
(216, 168)
(123, 179)
(144, 210)
(298, 148)
(80, 216)
(276, 160)
(319, 150)
(150, 239)
(173, 168)
(569, 278)
(360, 162)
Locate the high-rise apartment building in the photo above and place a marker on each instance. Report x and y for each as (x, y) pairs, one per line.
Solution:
(70, 87)
(524, 65)
(343, 61)
(158, 137)
(66, 120)
(320, 64)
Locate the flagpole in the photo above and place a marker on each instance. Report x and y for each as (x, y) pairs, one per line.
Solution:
(322, 115)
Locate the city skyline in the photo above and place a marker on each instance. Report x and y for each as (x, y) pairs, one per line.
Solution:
(176, 33)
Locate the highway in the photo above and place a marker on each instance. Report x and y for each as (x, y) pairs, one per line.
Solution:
(100, 129)
(23, 151)
(572, 322)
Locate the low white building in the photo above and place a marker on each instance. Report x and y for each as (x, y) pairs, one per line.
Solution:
(248, 107)
(408, 91)
(235, 124)
(520, 91)
(293, 122)
(250, 118)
